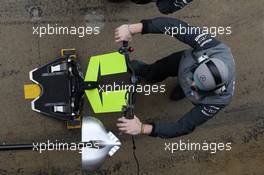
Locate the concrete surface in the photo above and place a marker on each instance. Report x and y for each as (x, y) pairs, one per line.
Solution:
(242, 122)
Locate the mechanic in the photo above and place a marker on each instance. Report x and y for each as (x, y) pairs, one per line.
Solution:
(206, 76)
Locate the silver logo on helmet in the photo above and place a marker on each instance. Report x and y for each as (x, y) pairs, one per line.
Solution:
(203, 78)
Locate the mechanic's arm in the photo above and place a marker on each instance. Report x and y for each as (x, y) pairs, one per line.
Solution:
(193, 36)
(197, 116)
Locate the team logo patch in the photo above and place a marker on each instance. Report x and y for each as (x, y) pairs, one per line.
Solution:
(203, 78)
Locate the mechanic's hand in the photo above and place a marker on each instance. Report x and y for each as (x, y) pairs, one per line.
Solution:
(129, 126)
(123, 33)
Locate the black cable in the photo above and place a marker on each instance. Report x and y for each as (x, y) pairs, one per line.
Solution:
(134, 154)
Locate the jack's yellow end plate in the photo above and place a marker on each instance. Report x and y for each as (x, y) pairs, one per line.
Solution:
(32, 91)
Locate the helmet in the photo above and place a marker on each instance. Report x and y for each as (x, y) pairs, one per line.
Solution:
(211, 75)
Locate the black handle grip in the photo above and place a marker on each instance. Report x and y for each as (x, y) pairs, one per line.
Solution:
(125, 43)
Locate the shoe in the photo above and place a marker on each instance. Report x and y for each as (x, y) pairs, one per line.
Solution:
(177, 93)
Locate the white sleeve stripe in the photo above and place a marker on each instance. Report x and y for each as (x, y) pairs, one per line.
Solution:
(199, 36)
(206, 113)
(205, 42)
(180, 4)
(215, 107)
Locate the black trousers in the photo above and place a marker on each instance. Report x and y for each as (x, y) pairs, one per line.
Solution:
(161, 69)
